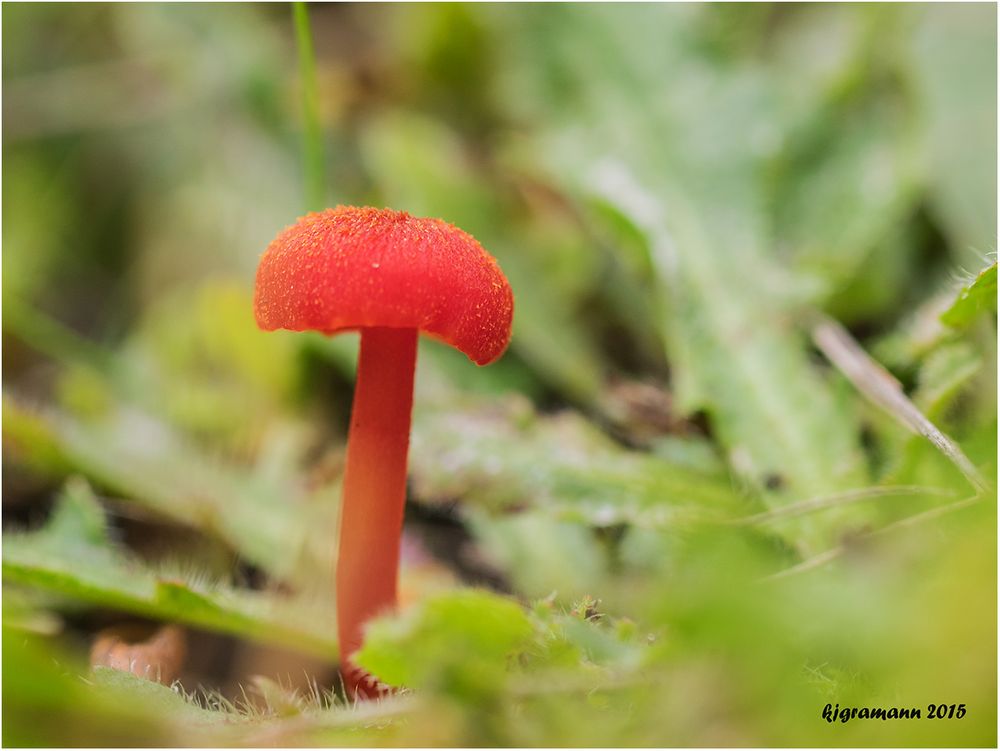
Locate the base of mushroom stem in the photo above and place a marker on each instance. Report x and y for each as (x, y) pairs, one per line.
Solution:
(359, 684)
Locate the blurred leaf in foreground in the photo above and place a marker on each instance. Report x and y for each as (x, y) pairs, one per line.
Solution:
(148, 462)
(456, 642)
(40, 684)
(73, 556)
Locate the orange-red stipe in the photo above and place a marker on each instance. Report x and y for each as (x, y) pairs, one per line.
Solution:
(371, 516)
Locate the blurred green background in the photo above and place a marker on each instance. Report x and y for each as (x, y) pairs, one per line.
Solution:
(663, 518)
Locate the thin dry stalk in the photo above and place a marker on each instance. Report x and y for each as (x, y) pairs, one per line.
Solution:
(876, 383)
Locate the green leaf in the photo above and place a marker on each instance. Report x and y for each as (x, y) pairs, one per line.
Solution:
(584, 642)
(165, 474)
(42, 683)
(546, 495)
(151, 695)
(73, 557)
(458, 642)
(730, 330)
(500, 455)
(78, 517)
(729, 315)
(542, 555)
(978, 296)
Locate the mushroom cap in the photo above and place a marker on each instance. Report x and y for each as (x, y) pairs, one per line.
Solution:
(353, 268)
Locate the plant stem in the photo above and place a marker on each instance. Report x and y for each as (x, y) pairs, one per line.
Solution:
(374, 493)
(312, 146)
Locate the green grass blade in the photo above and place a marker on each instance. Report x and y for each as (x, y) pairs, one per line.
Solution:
(312, 147)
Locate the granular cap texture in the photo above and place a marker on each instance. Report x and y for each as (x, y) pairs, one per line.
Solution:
(352, 268)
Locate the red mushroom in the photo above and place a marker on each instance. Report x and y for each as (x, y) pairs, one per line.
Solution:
(390, 275)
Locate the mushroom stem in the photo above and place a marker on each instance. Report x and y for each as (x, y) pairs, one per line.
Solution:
(374, 491)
